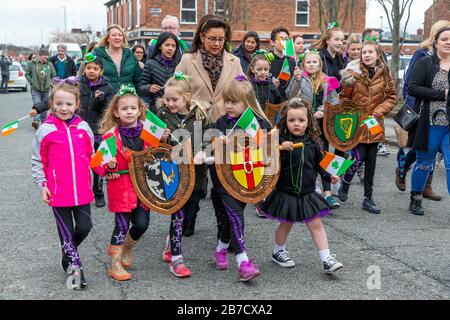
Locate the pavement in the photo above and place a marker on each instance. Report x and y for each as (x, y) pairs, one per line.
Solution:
(391, 256)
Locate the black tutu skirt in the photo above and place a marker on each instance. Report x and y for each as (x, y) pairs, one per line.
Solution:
(285, 207)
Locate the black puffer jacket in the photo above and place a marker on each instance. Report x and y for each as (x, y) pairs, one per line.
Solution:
(240, 53)
(291, 163)
(266, 92)
(332, 66)
(155, 72)
(91, 107)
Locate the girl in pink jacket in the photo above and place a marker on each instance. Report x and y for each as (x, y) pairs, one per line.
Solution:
(61, 152)
(124, 119)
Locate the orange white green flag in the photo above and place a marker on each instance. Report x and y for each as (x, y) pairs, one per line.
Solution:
(334, 164)
(250, 125)
(289, 48)
(285, 72)
(373, 126)
(153, 129)
(10, 128)
(105, 152)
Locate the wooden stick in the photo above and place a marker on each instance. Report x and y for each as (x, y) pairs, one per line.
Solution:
(295, 146)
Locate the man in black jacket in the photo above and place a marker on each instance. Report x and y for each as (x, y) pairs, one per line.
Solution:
(64, 65)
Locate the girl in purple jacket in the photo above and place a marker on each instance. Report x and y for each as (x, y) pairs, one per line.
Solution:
(61, 152)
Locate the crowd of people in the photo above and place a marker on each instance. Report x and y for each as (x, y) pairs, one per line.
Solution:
(214, 84)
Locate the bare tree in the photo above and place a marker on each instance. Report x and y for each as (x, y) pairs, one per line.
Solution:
(329, 11)
(395, 11)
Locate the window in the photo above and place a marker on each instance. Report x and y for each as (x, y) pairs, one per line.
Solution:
(219, 7)
(189, 11)
(302, 13)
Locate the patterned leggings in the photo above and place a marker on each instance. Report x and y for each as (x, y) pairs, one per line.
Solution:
(139, 218)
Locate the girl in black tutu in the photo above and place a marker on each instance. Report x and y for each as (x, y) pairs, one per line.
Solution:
(294, 198)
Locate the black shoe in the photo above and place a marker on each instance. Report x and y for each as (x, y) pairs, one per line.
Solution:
(343, 191)
(415, 204)
(65, 261)
(83, 279)
(189, 228)
(100, 201)
(369, 205)
(331, 264)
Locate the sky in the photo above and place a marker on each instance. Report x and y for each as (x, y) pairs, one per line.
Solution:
(23, 22)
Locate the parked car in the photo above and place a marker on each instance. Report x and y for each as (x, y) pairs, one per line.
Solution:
(17, 78)
(402, 65)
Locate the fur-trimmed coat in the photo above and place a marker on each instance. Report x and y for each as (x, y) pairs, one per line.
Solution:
(373, 96)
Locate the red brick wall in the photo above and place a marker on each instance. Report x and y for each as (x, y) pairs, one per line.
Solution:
(442, 13)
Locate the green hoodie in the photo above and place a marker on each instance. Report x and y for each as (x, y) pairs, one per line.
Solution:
(40, 75)
(130, 71)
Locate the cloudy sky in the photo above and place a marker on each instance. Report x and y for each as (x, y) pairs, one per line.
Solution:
(23, 21)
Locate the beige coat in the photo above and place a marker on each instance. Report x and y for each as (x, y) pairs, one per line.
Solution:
(191, 64)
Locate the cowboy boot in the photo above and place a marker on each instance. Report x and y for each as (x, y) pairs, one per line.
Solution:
(127, 253)
(428, 192)
(116, 271)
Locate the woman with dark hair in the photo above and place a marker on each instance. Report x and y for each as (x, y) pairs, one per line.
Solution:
(140, 54)
(429, 85)
(244, 52)
(158, 69)
(210, 64)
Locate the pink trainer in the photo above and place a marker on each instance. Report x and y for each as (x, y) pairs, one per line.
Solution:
(248, 271)
(221, 259)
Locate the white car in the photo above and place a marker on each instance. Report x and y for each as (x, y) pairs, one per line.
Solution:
(17, 78)
(402, 65)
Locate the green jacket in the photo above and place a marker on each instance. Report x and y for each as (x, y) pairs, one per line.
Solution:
(174, 123)
(130, 71)
(32, 75)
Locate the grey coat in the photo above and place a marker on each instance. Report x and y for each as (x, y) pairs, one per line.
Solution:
(303, 89)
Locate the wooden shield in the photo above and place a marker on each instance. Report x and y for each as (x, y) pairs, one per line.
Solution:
(162, 184)
(273, 111)
(248, 172)
(342, 125)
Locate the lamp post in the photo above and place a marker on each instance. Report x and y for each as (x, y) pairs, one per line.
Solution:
(381, 17)
(65, 21)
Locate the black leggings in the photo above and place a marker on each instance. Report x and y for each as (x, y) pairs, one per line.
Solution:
(71, 237)
(178, 221)
(139, 218)
(230, 220)
(366, 153)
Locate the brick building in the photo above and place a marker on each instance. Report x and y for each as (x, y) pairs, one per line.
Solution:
(142, 18)
(442, 12)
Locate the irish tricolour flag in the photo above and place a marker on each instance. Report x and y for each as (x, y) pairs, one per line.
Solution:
(153, 129)
(373, 125)
(285, 73)
(105, 152)
(334, 164)
(10, 128)
(250, 125)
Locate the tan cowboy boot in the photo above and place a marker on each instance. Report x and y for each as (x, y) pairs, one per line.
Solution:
(116, 271)
(127, 253)
(428, 191)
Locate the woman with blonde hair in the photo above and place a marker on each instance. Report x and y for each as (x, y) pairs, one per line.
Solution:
(120, 64)
(353, 47)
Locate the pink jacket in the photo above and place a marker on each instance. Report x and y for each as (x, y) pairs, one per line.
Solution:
(121, 195)
(60, 159)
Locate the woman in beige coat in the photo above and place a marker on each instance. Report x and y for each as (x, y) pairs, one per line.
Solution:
(210, 65)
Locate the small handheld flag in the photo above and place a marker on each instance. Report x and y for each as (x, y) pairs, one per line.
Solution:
(334, 164)
(153, 129)
(285, 73)
(105, 152)
(290, 52)
(373, 126)
(250, 125)
(10, 128)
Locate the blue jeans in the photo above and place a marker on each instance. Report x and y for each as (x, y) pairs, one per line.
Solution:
(38, 96)
(438, 139)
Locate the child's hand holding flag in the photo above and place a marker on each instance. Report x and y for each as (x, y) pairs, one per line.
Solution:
(373, 125)
(105, 152)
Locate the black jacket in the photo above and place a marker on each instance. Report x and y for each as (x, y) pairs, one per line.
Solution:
(92, 108)
(275, 69)
(419, 86)
(266, 92)
(332, 67)
(223, 124)
(240, 53)
(155, 72)
(291, 163)
(71, 69)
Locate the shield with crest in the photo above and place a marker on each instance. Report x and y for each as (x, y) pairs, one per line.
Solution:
(248, 171)
(341, 125)
(163, 184)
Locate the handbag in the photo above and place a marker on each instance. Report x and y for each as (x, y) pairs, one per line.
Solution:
(406, 117)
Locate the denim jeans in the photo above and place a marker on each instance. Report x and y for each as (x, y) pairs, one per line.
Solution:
(438, 139)
(38, 96)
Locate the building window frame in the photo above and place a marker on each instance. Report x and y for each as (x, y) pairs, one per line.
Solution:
(190, 10)
(219, 12)
(130, 14)
(138, 13)
(302, 12)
